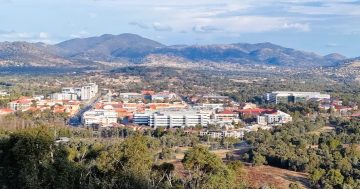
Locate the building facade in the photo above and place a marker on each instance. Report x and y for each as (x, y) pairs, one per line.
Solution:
(277, 117)
(85, 92)
(64, 96)
(286, 97)
(172, 119)
(99, 117)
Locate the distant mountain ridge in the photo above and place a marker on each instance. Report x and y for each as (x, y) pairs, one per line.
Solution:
(108, 47)
(131, 48)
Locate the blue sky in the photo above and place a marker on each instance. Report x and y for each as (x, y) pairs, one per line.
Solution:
(321, 26)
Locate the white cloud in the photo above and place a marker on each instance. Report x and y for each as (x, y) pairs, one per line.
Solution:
(297, 26)
(43, 35)
(11, 35)
(25, 36)
(139, 24)
(161, 27)
(337, 8)
(211, 16)
(205, 29)
(80, 34)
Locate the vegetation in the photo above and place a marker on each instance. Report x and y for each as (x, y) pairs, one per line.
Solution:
(29, 158)
(331, 158)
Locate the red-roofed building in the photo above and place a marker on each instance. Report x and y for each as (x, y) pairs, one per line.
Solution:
(22, 104)
(6, 111)
(356, 115)
(147, 92)
(343, 110)
(256, 111)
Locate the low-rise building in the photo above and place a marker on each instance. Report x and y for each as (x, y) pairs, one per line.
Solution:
(225, 134)
(213, 98)
(165, 95)
(6, 111)
(226, 115)
(64, 96)
(22, 104)
(277, 117)
(99, 117)
(294, 97)
(131, 96)
(4, 94)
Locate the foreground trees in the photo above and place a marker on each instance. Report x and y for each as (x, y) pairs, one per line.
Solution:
(31, 158)
(206, 170)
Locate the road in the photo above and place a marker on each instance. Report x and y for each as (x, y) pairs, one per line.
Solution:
(75, 120)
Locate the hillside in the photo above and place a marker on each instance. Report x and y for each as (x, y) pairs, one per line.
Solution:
(243, 53)
(109, 47)
(131, 48)
(30, 54)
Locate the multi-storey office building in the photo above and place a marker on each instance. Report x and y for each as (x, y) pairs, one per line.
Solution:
(172, 119)
(294, 97)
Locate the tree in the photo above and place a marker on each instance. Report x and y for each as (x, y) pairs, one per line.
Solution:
(334, 177)
(316, 176)
(162, 175)
(258, 159)
(206, 170)
(294, 186)
(25, 157)
(135, 163)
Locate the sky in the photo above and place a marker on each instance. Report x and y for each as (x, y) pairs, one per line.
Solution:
(321, 26)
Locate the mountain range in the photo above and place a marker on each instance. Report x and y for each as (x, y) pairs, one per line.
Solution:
(134, 49)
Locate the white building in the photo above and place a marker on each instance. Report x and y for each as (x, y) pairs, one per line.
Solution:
(294, 97)
(172, 119)
(85, 92)
(163, 95)
(278, 117)
(89, 91)
(64, 96)
(100, 117)
(131, 96)
(225, 134)
(226, 115)
(21, 104)
(72, 90)
(4, 94)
